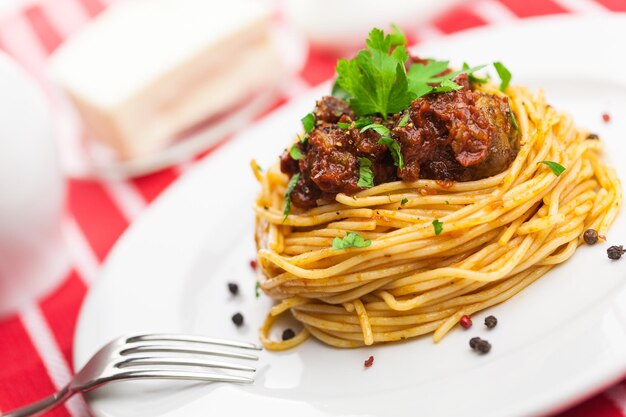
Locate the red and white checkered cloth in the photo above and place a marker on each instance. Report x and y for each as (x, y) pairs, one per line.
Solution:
(36, 343)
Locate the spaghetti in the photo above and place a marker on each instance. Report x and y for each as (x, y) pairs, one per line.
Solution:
(498, 235)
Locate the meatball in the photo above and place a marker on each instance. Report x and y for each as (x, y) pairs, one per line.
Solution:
(462, 135)
(330, 109)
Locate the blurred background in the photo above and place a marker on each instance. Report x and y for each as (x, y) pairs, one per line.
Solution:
(105, 103)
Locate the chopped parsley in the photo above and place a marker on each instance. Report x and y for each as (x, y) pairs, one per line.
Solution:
(292, 184)
(295, 153)
(404, 201)
(557, 168)
(473, 78)
(446, 86)
(438, 226)
(362, 122)
(514, 121)
(378, 128)
(257, 287)
(504, 74)
(308, 122)
(394, 148)
(404, 120)
(344, 126)
(351, 240)
(366, 176)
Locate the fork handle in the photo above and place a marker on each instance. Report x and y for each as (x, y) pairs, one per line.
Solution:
(41, 406)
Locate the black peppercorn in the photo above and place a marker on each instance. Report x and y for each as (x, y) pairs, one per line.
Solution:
(473, 341)
(233, 288)
(590, 236)
(615, 252)
(237, 319)
(288, 334)
(491, 322)
(593, 136)
(483, 346)
(480, 345)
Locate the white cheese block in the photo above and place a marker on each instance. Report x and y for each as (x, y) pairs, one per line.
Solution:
(146, 70)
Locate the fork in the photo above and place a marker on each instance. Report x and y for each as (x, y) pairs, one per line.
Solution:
(150, 356)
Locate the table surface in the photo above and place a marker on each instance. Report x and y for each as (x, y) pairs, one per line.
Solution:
(36, 343)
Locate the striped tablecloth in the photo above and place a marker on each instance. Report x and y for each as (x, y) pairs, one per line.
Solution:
(36, 343)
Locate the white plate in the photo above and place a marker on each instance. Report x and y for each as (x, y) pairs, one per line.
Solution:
(557, 342)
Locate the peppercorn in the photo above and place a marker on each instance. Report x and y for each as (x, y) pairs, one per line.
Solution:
(606, 117)
(288, 334)
(615, 252)
(480, 345)
(590, 236)
(369, 362)
(465, 321)
(253, 264)
(473, 341)
(593, 136)
(483, 346)
(491, 322)
(237, 319)
(233, 288)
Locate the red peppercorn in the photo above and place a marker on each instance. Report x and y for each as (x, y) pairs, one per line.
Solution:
(606, 117)
(369, 362)
(253, 264)
(465, 321)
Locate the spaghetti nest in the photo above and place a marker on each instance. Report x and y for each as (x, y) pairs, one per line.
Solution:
(497, 236)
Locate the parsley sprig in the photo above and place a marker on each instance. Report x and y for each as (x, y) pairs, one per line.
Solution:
(376, 81)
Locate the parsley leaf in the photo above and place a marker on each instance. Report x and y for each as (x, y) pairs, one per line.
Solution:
(471, 77)
(514, 121)
(295, 153)
(362, 122)
(378, 128)
(339, 92)
(344, 126)
(366, 176)
(420, 76)
(308, 122)
(404, 201)
(376, 78)
(394, 148)
(292, 184)
(438, 226)
(557, 168)
(446, 86)
(257, 287)
(404, 120)
(504, 74)
(351, 240)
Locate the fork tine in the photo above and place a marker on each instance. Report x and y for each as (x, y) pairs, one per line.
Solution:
(167, 337)
(144, 347)
(143, 360)
(181, 375)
